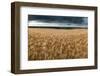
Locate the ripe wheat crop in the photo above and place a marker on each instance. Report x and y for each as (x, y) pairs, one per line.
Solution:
(49, 44)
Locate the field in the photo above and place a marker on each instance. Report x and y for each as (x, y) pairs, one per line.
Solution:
(49, 44)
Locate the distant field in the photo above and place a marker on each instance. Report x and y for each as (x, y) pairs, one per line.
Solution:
(49, 44)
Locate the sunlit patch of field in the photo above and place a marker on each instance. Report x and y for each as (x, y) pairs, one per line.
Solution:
(49, 44)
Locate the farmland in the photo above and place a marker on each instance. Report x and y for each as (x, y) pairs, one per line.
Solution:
(49, 44)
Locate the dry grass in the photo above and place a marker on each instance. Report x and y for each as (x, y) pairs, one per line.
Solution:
(45, 43)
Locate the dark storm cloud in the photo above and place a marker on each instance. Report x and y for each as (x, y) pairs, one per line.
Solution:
(59, 19)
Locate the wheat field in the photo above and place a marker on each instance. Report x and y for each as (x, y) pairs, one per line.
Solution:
(49, 44)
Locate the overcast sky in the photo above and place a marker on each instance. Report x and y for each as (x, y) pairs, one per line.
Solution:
(44, 20)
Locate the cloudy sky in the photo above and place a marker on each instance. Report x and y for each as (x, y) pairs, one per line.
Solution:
(59, 21)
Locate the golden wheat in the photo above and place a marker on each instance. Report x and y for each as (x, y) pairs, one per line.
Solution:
(46, 44)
